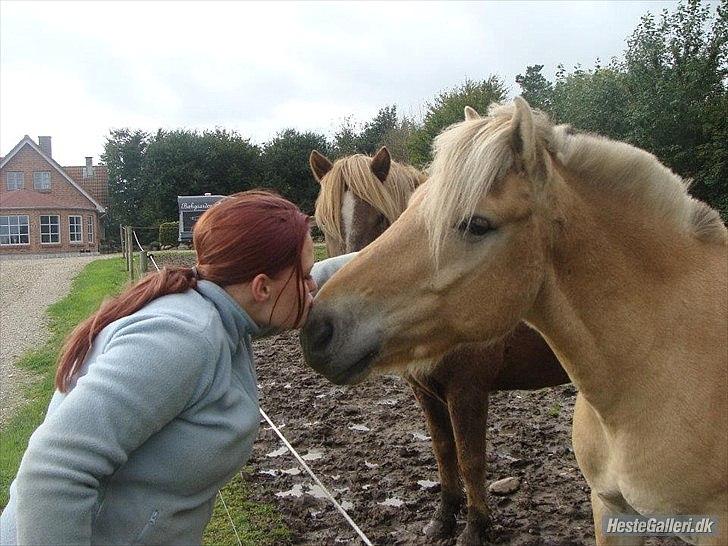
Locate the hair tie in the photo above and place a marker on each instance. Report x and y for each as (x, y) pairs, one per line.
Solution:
(195, 275)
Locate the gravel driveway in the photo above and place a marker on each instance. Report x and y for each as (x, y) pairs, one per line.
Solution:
(27, 288)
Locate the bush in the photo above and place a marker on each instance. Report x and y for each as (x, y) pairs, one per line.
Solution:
(168, 233)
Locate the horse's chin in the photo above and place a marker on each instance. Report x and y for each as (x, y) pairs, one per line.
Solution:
(357, 372)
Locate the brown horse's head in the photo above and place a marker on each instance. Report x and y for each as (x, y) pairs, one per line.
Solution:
(463, 263)
(360, 197)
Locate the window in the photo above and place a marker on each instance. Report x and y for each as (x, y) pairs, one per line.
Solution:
(75, 229)
(15, 180)
(42, 180)
(49, 229)
(14, 230)
(90, 225)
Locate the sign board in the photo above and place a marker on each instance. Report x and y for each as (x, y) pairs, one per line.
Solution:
(191, 208)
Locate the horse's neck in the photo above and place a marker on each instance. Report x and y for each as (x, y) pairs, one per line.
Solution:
(629, 310)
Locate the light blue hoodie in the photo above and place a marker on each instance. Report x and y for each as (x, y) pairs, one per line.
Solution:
(164, 413)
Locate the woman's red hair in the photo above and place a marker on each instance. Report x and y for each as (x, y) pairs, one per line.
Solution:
(239, 237)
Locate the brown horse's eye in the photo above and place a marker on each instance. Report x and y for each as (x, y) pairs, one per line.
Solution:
(477, 226)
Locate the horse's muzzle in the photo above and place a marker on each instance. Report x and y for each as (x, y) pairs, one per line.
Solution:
(338, 346)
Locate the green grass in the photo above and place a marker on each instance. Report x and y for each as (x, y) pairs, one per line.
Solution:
(256, 523)
(98, 280)
(319, 252)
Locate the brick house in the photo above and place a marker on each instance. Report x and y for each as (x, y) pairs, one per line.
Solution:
(46, 208)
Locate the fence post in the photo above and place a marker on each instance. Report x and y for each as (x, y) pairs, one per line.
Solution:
(122, 235)
(142, 263)
(121, 239)
(130, 253)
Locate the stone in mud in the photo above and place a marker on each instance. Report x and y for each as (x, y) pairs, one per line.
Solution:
(506, 486)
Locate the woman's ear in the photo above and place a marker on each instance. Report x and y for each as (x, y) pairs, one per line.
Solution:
(260, 288)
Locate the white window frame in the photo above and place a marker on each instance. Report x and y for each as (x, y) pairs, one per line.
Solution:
(50, 233)
(10, 230)
(90, 232)
(15, 184)
(78, 231)
(44, 187)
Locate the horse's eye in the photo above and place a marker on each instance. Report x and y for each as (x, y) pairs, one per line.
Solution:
(477, 226)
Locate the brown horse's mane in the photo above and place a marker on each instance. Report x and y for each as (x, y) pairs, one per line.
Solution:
(470, 156)
(354, 173)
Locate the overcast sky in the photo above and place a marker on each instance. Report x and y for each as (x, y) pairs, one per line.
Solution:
(74, 70)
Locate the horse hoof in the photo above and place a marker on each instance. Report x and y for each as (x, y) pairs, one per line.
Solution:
(469, 538)
(474, 532)
(439, 529)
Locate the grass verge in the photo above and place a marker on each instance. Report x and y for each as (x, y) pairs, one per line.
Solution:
(98, 280)
(257, 524)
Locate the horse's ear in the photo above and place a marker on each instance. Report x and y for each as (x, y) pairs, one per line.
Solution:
(471, 114)
(320, 164)
(381, 163)
(523, 138)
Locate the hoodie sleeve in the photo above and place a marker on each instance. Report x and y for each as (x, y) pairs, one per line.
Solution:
(323, 270)
(147, 374)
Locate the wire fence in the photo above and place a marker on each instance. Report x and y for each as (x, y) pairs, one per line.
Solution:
(130, 237)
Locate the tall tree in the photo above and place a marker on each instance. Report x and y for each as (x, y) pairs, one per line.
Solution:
(184, 162)
(668, 95)
(397, 139)
(375, 131)
(123, 155)
(535, 88)
(676, 73)
(447, 108)
(285, 166)
(345, 139)
(348, 139)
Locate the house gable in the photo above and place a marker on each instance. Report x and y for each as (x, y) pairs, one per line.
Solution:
(27, 157)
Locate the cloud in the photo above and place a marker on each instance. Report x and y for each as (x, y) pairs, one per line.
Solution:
(76, 69)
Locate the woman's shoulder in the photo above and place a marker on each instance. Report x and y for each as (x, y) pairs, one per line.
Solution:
(182, 318)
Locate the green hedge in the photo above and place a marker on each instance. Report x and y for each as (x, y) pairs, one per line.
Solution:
(169, 233)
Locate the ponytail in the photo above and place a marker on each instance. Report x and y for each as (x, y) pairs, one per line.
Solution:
(170, 280)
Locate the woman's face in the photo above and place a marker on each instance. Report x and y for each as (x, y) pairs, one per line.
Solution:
(286, 291)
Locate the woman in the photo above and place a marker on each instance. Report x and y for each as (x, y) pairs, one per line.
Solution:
(156, 405)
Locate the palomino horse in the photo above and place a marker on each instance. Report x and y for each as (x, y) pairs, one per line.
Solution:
(359, 198)
(597, 245)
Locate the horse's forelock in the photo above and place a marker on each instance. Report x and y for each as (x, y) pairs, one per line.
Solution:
(354, 173)
(468, 158)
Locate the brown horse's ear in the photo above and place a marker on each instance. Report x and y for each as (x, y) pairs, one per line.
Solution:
(471, 114)
(523, 139)
(381, 163)
(320, 164)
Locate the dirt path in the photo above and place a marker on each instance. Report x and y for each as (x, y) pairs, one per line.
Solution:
(28, 287)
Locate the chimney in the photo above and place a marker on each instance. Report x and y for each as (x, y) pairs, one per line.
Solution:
(45, 145)
(88, 171)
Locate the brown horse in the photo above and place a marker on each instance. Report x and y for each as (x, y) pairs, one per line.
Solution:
(360, 197)
(597, 245)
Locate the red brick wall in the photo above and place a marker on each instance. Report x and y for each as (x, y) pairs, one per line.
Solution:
(27, 160)
(73, 202)
(35, 246)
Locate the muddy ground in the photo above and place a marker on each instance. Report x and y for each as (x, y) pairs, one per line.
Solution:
(528, 437)
(369, 446)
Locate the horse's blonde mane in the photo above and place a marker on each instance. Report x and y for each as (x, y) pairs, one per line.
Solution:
(354, 172)
(470, 156)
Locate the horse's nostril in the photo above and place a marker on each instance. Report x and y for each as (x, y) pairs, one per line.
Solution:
(321, 334)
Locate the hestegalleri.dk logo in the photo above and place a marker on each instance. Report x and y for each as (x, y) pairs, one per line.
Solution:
(626, 524)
